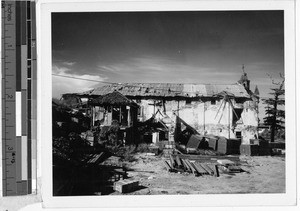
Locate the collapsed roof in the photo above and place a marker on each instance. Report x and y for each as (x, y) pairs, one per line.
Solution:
(114, 98)
(167, 90)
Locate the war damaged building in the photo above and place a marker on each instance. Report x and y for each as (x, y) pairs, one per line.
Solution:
(229, 110)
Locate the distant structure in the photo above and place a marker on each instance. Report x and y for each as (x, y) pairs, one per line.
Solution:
(256, 91)
(244, 80)
(223, 110)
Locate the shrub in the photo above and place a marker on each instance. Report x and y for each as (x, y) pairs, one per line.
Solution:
(70, 148)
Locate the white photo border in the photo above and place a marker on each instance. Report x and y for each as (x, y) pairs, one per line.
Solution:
(44, 10)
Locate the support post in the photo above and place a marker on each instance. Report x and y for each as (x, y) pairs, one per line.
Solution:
(228, 120)
(93, 116)
(203, 118)
(128, 117)
(120, 115)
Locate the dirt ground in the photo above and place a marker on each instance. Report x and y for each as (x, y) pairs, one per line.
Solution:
(263, 174)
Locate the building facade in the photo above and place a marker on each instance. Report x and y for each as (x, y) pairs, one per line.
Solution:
(222, 110)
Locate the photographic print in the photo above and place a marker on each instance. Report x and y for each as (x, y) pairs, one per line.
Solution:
(168, 102)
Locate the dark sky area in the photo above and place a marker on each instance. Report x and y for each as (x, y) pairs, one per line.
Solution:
(177, 47)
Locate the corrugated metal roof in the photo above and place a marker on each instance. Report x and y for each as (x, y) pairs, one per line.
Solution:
(168, 90)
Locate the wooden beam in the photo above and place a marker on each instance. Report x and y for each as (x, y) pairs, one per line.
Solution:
(128, 117)
(167, 165)
(120, 115)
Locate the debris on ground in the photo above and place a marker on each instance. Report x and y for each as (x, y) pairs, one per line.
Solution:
(200, 165)
(126, 186)
(154, 158)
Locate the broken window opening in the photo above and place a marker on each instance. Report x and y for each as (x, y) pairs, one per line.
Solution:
(188, 101)
(238, 134)
(237, 115)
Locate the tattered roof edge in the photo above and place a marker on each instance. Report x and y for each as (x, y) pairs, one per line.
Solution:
(167, 90)
(114, 98)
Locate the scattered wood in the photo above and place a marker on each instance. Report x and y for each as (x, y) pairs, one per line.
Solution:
(209, 158)
(177, 163)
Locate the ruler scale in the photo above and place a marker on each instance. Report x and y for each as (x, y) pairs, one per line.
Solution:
(18, 97)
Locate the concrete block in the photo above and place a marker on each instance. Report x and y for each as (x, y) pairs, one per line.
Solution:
(229, 146)
(126, 186)
(213, 143)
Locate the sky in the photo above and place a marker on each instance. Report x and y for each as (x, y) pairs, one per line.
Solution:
(175, 47)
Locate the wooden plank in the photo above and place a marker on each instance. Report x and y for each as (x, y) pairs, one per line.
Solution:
(178, 161)
(194, 171)
(172, 161)
(206, 168)
(167, 165)
(200, 169)
(186, 166)
(211, 168)
(209, 157)
(99, 158)
(215, 169)
(91, 158)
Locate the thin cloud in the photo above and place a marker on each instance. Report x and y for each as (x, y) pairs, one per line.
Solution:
(62, 85)
(69, 63)
(107, 68)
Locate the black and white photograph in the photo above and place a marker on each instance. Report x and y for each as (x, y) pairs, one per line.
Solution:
(168, 102)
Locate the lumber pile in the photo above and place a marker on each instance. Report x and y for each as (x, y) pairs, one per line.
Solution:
(178, 164)
(210, 158)
(202, 165)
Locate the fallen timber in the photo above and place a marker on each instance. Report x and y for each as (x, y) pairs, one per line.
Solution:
(202, 165)
(209, 158)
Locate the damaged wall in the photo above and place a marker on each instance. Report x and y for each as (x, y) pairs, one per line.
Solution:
(210, 117)
(250, 120)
